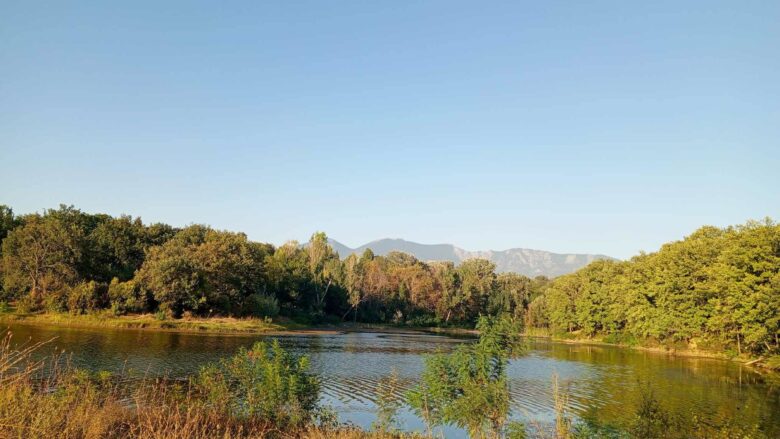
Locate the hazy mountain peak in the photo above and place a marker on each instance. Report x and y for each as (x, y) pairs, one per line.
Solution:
(519, 260)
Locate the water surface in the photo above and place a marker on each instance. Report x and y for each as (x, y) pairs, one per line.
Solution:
(604, 383)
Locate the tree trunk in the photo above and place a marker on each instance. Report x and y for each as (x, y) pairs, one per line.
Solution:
(739, 345)
(347, 313)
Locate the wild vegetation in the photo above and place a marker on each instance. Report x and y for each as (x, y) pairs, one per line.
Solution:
(65, 260)
(267, 392)
(717, 290)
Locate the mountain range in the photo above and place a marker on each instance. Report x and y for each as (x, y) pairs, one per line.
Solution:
(518, 260)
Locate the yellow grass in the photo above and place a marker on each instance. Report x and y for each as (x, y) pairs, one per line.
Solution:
(149, 321)
(61, 402)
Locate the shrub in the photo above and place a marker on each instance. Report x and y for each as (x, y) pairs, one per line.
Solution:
(773, 362)
(265, 382)
(27, 304)
(620, 338)
(125, 297)
(387, 402)
(469, 387)
(424, 320)
(86, 296)
(56, 302)
(651, 420)
(161, 314)
(4, 308)
(261, 305)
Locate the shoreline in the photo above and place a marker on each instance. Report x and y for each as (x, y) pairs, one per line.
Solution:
(254, 326)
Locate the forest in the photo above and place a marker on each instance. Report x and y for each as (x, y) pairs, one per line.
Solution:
(718, 289)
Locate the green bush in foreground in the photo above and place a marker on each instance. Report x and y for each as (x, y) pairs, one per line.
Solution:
(469, 387)
(266, 382)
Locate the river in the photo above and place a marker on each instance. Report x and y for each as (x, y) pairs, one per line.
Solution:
(604, 383)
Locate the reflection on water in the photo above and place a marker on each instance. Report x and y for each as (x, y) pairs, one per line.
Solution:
(604, 383)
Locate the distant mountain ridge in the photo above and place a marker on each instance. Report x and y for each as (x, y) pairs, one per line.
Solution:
(518, 260)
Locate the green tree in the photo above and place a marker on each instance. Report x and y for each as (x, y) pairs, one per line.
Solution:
(512, 295)
(39, 257)
(7, 221)
(266, 382)
(287, 274)
(117, 248)
(171, 273)
(324, 268)
(469, 387)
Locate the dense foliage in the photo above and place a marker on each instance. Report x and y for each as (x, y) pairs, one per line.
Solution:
(717, 288)
(68, 260)
(469, 387)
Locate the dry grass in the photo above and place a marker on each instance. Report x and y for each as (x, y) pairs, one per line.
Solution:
(58, 401)
(149, 321)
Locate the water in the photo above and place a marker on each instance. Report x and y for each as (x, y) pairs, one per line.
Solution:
(604, 383)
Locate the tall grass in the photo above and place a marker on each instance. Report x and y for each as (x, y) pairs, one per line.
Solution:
(51, 399)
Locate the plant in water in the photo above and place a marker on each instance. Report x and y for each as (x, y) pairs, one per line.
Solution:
(651, 420)
(388, 402)
(469, 387)
(562, 421)
(265, 382)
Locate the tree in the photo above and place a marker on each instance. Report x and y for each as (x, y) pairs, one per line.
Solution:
(447, 289)
(469, 387)
(232, 268)
(512, 295)
(204, 270)
(171, 273)
(117, 248)
(477, 282)
(40, 257)
(287, 274)
(353, 283)
(324, 267)
(7, 221)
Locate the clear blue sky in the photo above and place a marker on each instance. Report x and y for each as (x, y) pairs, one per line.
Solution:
(604, 127)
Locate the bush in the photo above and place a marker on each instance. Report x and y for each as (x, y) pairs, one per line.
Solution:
(651, 420)
(86, 296)
(261, 305)
(27, 304)
(425, 320)
(469, 386)
(620, 338)
(4, 308)
(125, 297)
(56, 302)
(773, 362)
(161, 315)
(265, 382)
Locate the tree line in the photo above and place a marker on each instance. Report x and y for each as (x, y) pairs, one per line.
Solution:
(718, 289)
(67, 260)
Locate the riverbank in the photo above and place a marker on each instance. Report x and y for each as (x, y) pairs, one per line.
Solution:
(282, 326)
(222, 325)
(770, 364)
(219, 325)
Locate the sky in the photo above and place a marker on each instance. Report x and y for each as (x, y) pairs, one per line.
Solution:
(595, 127)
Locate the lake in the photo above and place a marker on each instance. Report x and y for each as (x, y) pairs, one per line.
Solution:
(604, 383)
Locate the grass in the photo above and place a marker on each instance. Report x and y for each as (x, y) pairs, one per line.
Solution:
(150, 321)
(50, 399)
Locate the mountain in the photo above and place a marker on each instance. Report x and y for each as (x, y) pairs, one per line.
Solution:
(519, 260)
